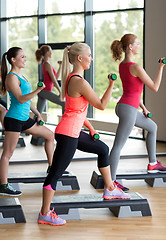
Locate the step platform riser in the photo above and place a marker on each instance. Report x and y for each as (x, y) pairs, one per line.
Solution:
(64, 206)
(11, 209)
(153, 179)
(66, 182)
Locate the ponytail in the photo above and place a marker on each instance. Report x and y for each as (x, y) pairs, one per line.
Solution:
(40, 53)
(118, 47)
(65, 71)
(4, 71)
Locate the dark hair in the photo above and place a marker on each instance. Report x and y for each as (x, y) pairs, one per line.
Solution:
(11, 53)
(117, 47)
(41, 52)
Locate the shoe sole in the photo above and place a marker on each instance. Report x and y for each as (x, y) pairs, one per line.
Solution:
(156, 171)
(10, 195)
(108, 198)
(53, 224)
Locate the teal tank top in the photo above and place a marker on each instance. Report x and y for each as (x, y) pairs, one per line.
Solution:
(17, 110)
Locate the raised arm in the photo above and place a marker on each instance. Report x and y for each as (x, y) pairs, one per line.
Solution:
(137, 71)
(59, 69)
(91, 96)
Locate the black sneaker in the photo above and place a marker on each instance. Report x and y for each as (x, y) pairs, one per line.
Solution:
(8, 190)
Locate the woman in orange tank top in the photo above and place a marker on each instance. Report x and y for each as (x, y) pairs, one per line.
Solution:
(68, 134)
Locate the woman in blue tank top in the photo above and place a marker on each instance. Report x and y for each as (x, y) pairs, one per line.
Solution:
(17, 118)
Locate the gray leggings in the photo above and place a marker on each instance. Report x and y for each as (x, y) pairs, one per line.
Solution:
(51, 96)
(128, 118)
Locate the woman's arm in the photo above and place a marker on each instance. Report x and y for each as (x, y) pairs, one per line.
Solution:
(137, 71)
(48, 68)
(36, 112)
(90, 127)
(144, 109)
(79, 86)
(59, 69)
(13, 85)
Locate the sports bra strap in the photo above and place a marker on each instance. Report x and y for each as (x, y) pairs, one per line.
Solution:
(70, 76)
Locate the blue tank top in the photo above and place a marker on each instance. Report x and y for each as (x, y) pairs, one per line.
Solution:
(17, 110)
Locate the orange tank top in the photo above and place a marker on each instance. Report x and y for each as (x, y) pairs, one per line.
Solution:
(74, 115)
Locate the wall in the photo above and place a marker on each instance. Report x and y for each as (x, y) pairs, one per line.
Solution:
(155, 47)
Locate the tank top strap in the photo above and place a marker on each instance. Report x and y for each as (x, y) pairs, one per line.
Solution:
(17, 76)
(14, 74)
(70, 76)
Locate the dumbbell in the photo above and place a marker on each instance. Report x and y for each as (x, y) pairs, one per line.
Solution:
(40, 122)
(113, 76)
(40, 84)
(149, 115)
(163, 60)
(95, 136)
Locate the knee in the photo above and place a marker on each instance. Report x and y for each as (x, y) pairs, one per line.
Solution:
(6, 155)
(50, 136)
(153, 128)
(104, 151)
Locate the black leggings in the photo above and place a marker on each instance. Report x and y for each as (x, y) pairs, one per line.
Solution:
(64, 152)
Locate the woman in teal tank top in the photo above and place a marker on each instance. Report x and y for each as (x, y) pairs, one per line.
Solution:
(17, 118)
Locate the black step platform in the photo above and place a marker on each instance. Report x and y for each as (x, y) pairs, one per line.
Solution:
(11, 211)
(66, 182)
(21, 142)
(153, 179)
(65, 205)
(37, 141)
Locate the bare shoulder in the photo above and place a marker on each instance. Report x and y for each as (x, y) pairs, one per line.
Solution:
(11, 80)
(81, 82)
(47, 66)
(135, 69)
(11, 77)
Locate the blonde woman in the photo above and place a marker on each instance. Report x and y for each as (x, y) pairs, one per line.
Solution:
(78, 93)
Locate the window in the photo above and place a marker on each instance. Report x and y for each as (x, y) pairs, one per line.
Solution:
(22, 32)
(68, 28)
(64, 6)
(21, 8)
(118, 4)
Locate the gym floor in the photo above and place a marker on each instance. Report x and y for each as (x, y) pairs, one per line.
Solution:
(95, 223)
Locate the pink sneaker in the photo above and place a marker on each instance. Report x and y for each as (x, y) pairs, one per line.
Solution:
(156, 168)
(116, 193)
(51, 218)
(125, 189)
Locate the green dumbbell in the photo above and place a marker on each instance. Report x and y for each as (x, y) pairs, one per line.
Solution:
(41, 123)
(163, 60)
(96, 136)
(113, 76)
(149, 115)
(40, 84)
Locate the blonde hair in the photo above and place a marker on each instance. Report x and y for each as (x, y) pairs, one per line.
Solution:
(40, 53)
(118, 47)
(70, 57)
